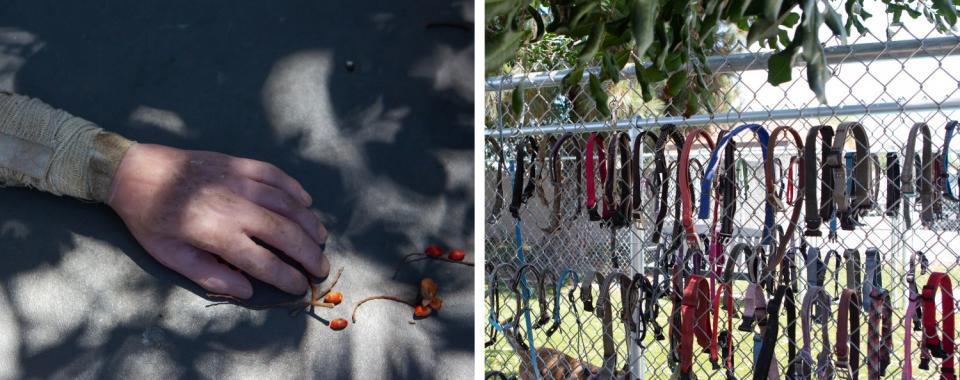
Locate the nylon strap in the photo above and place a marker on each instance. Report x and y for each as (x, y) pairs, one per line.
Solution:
(710, 174)
(871, 278)
(766, 366)
(823, 367)
(913, 318)
(605, 308)
(638, 175)
(947, 184)
(595, 144)
(544, 146)
(695, 321)
(668, 133)
(521, 294)
(893, 185)
(574, 281)
(498, 186)
(853, 204)
(646, 303)
(879, 333)
(521, 192)
(776, 205)
(683, 306)
(618, 190)
(926, 166)
(847, 347)
(939, 346)
(494, 298)
(556, 179)
(817, 212)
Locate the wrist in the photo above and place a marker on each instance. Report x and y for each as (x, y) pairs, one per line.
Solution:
(107, 153)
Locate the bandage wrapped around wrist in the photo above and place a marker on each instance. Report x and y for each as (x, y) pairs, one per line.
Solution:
(51, 150)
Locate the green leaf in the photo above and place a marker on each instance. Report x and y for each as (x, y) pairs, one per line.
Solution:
(592, 45)
(692, 105)
(643, 19)
(817, 75)
(761, 29)
(503, 48)
(621, 58)
(516, 100)
(834, 22)
(792, 19)
(780, 67)
(581, 11)
(572, 78)
(609, 69)
(946, 9)
(674, 61)
(784, 38)
(496, 8)
(771, 9)
(676, 83)
(653, 75)
(708, 102)
(737, 9)
(599, 96)
(645, 90)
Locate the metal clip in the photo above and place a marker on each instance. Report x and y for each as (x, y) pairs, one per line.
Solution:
(778, 205)
(843, 371)
(936, 350)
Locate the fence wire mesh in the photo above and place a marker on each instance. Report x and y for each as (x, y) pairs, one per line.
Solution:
(887, 79)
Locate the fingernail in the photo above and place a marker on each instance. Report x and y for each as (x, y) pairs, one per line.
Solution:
(324, 267)
(306, 198)
(322, 233)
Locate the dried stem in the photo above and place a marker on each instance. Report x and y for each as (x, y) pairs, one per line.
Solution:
(390, 298)
(244, 303)
(467, 263)
(326, 291)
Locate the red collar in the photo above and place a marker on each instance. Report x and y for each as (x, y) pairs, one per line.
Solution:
(595, 142)
(695, 321)
(936, 346)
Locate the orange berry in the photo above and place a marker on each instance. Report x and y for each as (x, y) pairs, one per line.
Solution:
(338, 324)
(433, 250)
(333, 297)
(421, 311)
(436, 303)
(456, 255)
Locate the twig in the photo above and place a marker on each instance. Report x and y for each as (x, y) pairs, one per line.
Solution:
(390, 298)
(423, 256)
(467, 263)
(243, 303)
(333, 283)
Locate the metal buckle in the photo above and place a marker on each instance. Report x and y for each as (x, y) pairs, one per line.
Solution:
(936, 350)
(833, 158)
(843, 371)
(778, 205)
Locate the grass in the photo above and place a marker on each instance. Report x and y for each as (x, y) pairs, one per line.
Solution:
(501, 357)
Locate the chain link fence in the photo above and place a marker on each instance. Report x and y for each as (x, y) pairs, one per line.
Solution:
(887, 79)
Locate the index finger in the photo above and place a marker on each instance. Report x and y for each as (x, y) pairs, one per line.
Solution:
(271, 175)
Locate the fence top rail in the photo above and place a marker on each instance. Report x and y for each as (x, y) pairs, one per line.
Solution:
(731, 117)
(865, 52)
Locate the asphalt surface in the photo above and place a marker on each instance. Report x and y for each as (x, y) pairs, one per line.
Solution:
(368, 104)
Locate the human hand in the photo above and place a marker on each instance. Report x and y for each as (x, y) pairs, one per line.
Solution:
(188, 207)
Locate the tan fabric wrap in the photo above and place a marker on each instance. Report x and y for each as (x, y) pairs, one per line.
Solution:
(51, 150)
